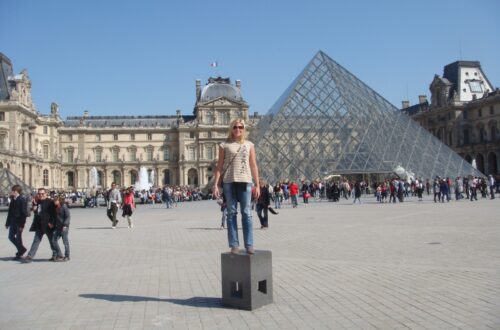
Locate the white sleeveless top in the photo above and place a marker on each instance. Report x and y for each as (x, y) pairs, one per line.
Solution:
(236, 163)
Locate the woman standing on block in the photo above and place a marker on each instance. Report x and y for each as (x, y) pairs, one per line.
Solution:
(236, 167)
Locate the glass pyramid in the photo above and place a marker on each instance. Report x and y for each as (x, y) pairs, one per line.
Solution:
(8, 179)
(329, 122)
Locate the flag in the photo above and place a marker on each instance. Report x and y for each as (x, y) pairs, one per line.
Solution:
(213, 64)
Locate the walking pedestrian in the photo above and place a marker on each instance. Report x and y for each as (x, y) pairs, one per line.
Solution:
(16, 219)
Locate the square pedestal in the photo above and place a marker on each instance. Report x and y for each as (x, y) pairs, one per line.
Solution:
(247, 280)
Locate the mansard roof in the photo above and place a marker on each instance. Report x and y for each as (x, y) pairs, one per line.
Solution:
(124, 121)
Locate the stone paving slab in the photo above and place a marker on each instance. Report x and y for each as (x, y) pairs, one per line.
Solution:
(415, 265)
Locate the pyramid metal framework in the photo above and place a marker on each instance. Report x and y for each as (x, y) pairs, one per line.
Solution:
(8, 179)
(330, 122)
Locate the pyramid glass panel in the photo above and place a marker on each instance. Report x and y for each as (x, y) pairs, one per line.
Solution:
(330, 122)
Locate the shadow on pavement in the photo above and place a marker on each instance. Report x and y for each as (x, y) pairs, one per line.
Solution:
(208, 302)
(213, 228)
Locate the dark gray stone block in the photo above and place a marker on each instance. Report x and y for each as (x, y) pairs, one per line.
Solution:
(247, 280)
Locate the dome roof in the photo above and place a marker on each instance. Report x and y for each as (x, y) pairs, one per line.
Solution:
(220, 87)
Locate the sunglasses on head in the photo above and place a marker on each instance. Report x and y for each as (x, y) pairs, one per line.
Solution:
(239, 127)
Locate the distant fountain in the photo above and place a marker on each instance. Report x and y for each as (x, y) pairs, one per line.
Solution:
(474, 165)
(143, 183)
(93, 178)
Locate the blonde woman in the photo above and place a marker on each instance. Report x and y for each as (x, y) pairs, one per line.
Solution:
(237, 166)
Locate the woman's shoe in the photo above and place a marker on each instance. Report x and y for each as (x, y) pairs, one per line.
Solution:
(250, 250)
(235, 250)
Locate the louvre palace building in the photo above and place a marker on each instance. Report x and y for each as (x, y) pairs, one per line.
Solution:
(327, 122)
(47, 151)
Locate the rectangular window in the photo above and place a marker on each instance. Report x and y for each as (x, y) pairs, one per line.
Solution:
(3, 137)
(2, 116)
(98, 137)
(210, 152)
(45, 151)
(167, 137)
(150, 136)
(166, 153)
(70, 156)
(70, 137)
(466, 136)
(45, 177)
(464, 114)
(132, 137)
(475, 86)
(492, 110)
(191, 135)
(192, 153)
(133, 156)
(450, 139)
(45, 130)
(150, 154)
(98, 155)
(479, 112)
(115, 155)
(115, 137)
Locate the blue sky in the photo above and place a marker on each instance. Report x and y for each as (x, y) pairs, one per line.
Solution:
(143, 57)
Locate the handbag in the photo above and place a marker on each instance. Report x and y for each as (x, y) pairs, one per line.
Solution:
(220, 181)
(273, 211)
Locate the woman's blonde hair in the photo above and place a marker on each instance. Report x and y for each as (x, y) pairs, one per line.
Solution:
(230, 131)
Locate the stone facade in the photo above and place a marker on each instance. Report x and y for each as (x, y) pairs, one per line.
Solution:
(46, 151)
(464, 113)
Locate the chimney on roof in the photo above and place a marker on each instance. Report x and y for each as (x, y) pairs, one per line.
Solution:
(406, 104)
(198, 88)
(422, 99)
(238, 84)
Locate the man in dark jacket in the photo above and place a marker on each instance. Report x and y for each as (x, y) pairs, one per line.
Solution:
(16, 219)
(43, 224)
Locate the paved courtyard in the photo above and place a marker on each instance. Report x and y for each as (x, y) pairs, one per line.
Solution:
(416, 265)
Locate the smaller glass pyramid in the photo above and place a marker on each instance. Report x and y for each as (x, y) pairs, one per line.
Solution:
(8, 179)
(330, 122)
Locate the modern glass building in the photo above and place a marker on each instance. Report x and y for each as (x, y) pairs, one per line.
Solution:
(330, 122)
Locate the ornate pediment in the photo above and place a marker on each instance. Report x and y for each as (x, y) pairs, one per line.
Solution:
(221, 101)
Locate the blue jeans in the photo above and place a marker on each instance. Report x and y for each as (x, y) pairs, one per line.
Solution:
(36, 242)
(239, 192)
(58, 234)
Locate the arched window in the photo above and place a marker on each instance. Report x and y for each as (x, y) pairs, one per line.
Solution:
(480, 162)
(166, 176)
(45, 178)
(493, 133)
(193, 177)
(492, 163)
(100, 176)
(117, 177)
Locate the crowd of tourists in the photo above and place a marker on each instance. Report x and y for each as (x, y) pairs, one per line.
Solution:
(387, 191)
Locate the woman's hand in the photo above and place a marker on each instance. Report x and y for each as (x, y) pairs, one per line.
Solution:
(257, 192)
(216, 192)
